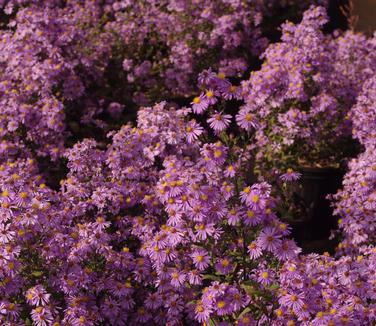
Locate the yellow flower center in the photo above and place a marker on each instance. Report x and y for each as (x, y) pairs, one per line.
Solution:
(200, 258)
(255, 198)
(196, 100)
(217, 153)
(248, 117)
(221, 304)
(250, 214)
(225, 262)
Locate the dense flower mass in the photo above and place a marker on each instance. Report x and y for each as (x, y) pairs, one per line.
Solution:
(356, 202)
(302, 94)
(71, 68)
(174, 218)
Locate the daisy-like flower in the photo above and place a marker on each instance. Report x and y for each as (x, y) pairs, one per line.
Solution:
(37, 296)
(193, 130)
(6, 235)
(219, 121)
(201, 259)
(194, 277)
(254, 250)
(41, 316)
(210, 96)
(153, 301)
(245, 193)
(230, 92)
(246, 320)
(204, 230)
(292, 300)
(290, 175)
(13, 310)
(264, 276)
(177, 278)
(233, 216)
(224, 265)
(287, 250)
(230, 171)
(227, 190)
(200, 104)
(251, 218)
(202, 312)
(246, 120)
(207, 77)
(253, 197)
(237, 299)
(269, 239)
(223, 307)
(101, 224)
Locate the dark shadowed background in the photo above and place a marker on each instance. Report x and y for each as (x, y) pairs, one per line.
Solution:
(366, 10)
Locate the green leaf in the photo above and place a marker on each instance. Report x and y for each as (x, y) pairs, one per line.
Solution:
(246, 310)
(211, 277)
(274, 287)
(37, 273)
(249, 289)
(211, 322)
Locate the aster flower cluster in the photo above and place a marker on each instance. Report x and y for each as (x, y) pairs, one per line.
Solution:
(148, 230)
(69, 69)
(356, 202)
(302, 94)
(160, 221)
(321, 290)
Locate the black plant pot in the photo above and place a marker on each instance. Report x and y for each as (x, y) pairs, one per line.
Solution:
(318, 220)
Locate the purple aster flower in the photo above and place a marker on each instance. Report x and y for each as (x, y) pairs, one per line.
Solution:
(269, 239)
(37, 296)
(41, 316)
(290, 175)
(254, 197)
(238, 300)
(177, 278)
(251, 218)
(246, 320)
(224, 265)
(193, 130)
(246, 120)
(264, 276)
(223, 307)
(6, 234)
(233, 216)
(194, 277)
(202, 312)
(200, 104)
(203, 231)
(230, 171)
(293, 301)
(219, 121)
(200, 259)
(207, 77)
(230, 92)
(210, 96)
(254, 250)
(287, 250)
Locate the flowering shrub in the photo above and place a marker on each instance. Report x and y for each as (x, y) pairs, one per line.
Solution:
(356, 202)
(303, 92)
(139, 230)
(158, 229)
(76, 69)
(160, 222)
